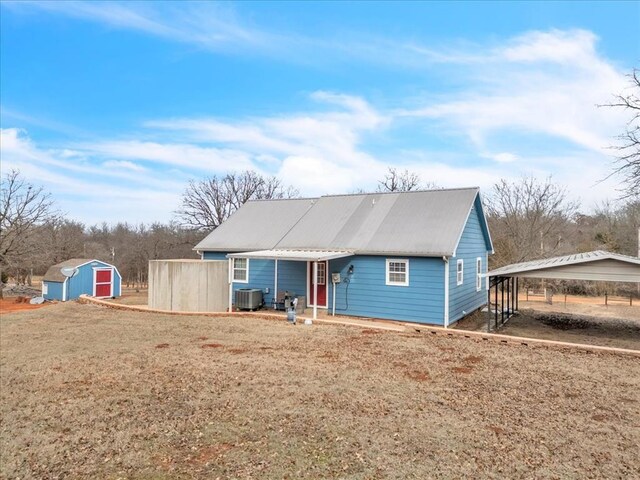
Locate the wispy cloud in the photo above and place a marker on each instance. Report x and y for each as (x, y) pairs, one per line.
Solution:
(209, 25)
(540, 83)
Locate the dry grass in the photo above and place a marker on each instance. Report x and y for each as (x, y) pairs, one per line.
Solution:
(88, 392)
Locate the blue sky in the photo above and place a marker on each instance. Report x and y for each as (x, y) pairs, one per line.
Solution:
(114, 107)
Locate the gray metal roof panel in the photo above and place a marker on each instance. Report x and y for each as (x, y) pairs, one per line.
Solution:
(553, 262)
(420, 223)
(258, 225)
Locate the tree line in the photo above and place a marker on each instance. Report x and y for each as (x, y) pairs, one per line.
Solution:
(529, 218)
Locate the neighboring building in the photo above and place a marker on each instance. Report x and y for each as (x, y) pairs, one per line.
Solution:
(413, 256)
(72, 278)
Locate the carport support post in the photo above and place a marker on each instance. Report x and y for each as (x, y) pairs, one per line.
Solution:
(496, 303)
(315, 289)
(517, 292)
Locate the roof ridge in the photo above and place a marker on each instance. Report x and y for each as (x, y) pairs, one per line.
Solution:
(400, 192)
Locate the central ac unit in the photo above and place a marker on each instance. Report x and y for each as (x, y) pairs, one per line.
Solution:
(248, 298)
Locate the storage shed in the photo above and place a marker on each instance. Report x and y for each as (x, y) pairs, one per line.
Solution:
(72, 278)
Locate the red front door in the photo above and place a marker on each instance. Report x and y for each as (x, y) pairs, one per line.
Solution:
(322, 284)
(103, 283)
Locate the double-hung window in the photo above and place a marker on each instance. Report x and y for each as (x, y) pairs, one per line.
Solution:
(478, 274)
(241, 270)
(460, 272)
(397, 272)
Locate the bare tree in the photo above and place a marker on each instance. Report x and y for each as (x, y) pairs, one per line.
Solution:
(23, 208)
(209, 202)
(399, 181)
(628, 162)
(529, 219)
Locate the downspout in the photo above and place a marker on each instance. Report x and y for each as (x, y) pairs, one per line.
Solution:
(230, 285)
(446, 291)
(64, 289)
(315, 289)
(275, 284)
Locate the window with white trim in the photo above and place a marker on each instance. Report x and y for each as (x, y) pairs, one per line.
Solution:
(241, 270)
(478, 274)
(45, 288)
(321, 277)
(460, 272)
(397, 272)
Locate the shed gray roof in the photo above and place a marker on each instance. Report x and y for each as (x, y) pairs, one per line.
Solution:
(421, 223)
(55, 275)
(596, 265)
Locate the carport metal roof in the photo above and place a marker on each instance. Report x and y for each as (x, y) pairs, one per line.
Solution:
(595, 266)
(296, 255)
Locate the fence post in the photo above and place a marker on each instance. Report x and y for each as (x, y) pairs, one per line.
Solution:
(605, 300)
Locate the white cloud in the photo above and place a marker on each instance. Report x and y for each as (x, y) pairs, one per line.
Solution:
(125, 164)
(539, 83)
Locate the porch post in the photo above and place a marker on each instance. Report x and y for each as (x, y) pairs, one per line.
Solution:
(315, 289)
(275, 284)
(230, 285)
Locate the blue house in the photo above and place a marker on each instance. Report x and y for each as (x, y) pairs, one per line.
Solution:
(410, 256)
(72, 278)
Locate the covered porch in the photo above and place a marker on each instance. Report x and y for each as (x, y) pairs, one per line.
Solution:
(313, 264)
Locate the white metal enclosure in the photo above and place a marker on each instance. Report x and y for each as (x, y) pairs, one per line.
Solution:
(189, 285)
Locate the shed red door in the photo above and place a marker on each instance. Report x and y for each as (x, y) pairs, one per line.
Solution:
(104, 278)
(322, 284)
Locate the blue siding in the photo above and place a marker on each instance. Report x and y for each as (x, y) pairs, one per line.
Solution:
(292, 276)
(261, 275)
(54, 291)
(463, 299)
(365, 293)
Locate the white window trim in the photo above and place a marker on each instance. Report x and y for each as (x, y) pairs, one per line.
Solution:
(397, 260)
(460, 272)
(478, 273)
(233, 272)
(45, 288)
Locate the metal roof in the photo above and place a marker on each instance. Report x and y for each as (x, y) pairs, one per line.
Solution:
(298, 255)
(596, 265)
(55, 275)
(258, 225)
(420, 223)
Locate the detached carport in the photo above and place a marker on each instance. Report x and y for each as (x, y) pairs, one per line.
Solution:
(591, 266)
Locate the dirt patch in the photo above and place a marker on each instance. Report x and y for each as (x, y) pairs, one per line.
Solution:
(473, 359)
(212, 345)
(599, 417)
(162, 345)
(238, 351)
(202, 339)
(563, 322)
(497, 430)
(418, 376)
(370, 331)
(211, 453)
(462, 369)
(446, 349)
(17, 304)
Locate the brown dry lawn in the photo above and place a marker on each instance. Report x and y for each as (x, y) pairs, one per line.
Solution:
(88, 392)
